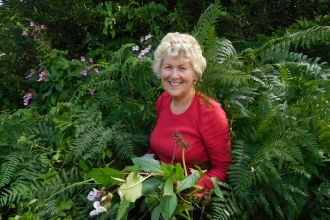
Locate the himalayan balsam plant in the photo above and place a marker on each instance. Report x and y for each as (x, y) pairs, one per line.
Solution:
(165, 188)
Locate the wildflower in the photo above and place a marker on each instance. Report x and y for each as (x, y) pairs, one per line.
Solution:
(92, 92)
(42, 76)
(82, 59)
(42, 27)
(142, 39)
(88, 67)
(119, 7)
(73, 60)
(144, 51)
(24, 33)
(96, 70)
(252, 169)
(93, 194)
(135, 48)
(148, 37)
(32, 24)
(33, 71)
(27, 97)
(151, 156)
(84, 72)
(98, 209)
(90, 60)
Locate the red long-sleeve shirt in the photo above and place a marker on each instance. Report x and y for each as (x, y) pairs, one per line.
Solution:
(203, 126)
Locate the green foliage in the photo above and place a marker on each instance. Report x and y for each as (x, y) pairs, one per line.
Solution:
(78, 127)
(132, 18)
(164, 187)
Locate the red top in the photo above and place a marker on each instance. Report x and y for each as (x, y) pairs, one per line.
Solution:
(203, 126)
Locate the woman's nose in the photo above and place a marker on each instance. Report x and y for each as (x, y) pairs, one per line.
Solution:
(174, 73)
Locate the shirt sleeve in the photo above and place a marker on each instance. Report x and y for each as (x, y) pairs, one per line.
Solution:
(159, 107)
(215, 133)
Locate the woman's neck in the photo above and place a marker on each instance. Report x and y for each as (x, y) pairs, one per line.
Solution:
(179, 106)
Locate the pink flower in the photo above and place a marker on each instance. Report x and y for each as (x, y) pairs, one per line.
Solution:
(42, 27)
(93, 194)
(27, 97)
(96, 70)
(92, 92)
(98, 209)
(84, 72)
(83, 59)
(148, 37)
(42, 76)
(33, 71)
(24, 33)
(32, 24)
(90, 60)
(88, 67)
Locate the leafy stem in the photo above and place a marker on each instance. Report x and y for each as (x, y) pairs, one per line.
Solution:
(62, 190)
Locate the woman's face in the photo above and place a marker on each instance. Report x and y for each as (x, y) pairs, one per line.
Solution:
(177, 76)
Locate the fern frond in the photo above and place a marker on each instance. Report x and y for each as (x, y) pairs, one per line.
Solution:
(224, 49)
(205, 23)
(124, 146)
(224, 208)
(278, 49)
(8, 167)
(14, 194)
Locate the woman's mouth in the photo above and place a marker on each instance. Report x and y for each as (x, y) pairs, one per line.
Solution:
(175, 83)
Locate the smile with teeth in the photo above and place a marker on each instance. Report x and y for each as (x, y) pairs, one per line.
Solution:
(175, 83)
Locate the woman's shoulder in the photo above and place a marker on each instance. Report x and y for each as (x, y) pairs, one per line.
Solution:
(208, 105)
(206, 102)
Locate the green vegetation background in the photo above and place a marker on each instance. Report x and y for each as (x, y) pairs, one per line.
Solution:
(267, 66)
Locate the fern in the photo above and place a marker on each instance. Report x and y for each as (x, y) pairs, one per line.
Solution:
(278, 48)
(8, 168)
(205, 25)
(224, 208)
(14, 194)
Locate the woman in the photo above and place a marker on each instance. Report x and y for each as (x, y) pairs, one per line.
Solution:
(186, 118)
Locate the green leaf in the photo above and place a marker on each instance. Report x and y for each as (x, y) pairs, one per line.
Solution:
(48, 92)
(53, 99)
(168, 188)
(64, 205)
(150, 185)
(217, 189)
(124, 208)
(129, 25)
(132, 189)
(164, 169)
(105, 31)
(155, 213)
(147, 164)
(189, 181)
(168, 205)
(59, 87)
(113, 33)
(179, 172)
(6, 101)
(130, 15)
(133, 168)
(106, 176)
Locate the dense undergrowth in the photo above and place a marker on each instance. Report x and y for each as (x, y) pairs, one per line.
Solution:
(95, 111)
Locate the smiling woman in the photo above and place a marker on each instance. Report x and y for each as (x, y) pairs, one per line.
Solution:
(183, 112)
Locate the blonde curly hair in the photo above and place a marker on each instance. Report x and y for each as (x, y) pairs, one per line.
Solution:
(183, 45)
